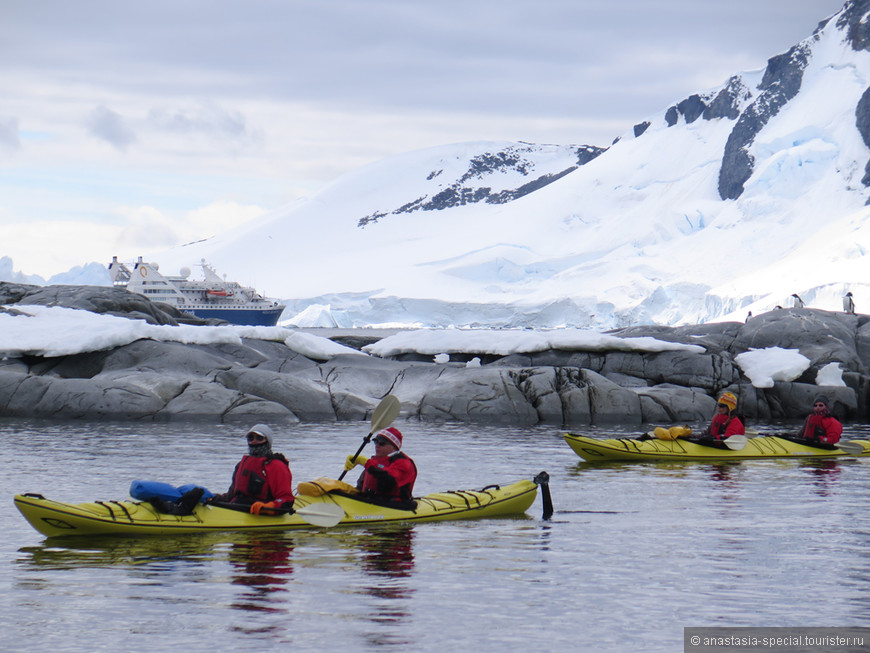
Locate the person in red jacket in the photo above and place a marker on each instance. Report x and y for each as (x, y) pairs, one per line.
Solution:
(389, 474)
(821, 426)
(261, 479)
(725, 422)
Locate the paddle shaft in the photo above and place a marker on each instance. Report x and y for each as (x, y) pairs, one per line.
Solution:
(384, 414)
(365, 441)
(323, 515)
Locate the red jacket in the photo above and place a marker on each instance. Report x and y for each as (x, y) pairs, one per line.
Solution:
(257, 478)
(390, 477)
(823, 427)
(725, 425)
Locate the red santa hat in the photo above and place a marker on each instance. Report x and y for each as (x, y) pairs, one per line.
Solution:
(392, 434)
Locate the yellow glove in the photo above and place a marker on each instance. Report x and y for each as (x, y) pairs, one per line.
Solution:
(350, 463)
(266, 508)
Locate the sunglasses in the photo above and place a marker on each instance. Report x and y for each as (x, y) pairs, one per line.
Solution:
(382, 441)
(818, 405)
(255, 437)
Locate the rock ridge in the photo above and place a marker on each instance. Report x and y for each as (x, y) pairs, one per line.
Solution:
(267, 380)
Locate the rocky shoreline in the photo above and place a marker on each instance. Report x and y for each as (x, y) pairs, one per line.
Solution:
(267, 380)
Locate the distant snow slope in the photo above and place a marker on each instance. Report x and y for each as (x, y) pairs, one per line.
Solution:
(728, 201)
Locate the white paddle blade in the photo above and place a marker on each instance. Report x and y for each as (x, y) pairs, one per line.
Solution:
(850, 447)
(385, 413)
(735, 442)
(325, 515)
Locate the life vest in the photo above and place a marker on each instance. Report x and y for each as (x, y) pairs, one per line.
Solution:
(249, 480)
(823, 428)
(719, 426)
(378, 480)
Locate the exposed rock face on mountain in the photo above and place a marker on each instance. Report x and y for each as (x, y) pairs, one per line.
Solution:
(474, 184)
(150, 380)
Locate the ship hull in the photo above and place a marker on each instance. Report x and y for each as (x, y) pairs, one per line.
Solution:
(241, 316)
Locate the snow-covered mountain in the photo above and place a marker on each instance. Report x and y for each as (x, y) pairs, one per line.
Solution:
(728, 201)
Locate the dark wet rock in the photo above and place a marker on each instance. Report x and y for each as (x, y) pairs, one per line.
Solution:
(667, 403)
(98, 299)
(166, 357)
(307, 399)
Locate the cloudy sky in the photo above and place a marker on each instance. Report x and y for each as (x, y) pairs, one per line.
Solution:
(128, 127)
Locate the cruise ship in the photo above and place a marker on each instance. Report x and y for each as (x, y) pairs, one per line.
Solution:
(210, 297)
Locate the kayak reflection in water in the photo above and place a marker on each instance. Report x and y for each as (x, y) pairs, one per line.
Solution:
(262, 478)
(262, 562)
(388, 557)
(389, 474)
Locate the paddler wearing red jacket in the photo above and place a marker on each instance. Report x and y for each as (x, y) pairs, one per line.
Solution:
(262, 478)
(821, 426)
(389, 474)
(725, 422)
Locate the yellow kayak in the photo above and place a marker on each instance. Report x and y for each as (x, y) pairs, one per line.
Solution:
(592, 449)
(137, 518)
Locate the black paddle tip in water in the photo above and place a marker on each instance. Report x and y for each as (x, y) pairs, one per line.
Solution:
(543, 479)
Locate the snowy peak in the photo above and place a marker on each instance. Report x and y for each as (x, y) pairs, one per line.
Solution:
(495, 176)
(752, 107)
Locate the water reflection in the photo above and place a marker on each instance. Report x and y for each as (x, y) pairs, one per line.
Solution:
(263, 565)
(825, 475)
(725, 472)
(156, 553)
(387, 557)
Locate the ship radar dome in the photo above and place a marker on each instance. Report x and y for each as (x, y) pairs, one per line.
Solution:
(184, 272)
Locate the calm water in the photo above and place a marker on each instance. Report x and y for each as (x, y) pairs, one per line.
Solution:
(633, 554)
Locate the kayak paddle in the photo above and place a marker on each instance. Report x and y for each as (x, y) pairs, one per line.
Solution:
(321, 514)
(316, 514)
(850, 447)
(735, 442)
(384, 414)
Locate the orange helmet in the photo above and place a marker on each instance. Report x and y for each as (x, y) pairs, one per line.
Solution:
(728, 399)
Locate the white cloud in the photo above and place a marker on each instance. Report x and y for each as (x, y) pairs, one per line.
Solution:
(111, 127)
(9, 138)
(43, 246)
